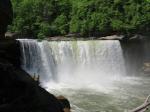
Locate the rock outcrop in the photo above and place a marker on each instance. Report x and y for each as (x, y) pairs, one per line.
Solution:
(18, 91)
(112, 37)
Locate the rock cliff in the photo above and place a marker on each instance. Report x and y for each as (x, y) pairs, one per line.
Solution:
(18, 91)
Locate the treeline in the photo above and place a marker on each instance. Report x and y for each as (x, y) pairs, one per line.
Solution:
(43, 18)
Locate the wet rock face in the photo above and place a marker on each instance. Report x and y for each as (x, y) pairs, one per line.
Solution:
(6, 16)
(137, 56)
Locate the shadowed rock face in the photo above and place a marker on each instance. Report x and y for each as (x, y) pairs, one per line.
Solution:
(6, 16)
(18, 91)
(137, 56)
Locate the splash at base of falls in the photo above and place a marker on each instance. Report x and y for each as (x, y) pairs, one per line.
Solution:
(122, 97)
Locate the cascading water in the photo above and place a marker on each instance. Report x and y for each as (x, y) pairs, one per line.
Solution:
(73, 62)
(87, 72)
(37, 59)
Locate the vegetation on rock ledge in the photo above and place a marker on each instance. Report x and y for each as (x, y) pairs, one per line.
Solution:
(43, 18)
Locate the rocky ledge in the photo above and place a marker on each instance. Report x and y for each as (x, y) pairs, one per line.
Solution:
(136, 37)
(18, 91)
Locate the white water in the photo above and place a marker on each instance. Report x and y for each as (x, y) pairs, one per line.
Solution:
(91, 74)
(77, 64)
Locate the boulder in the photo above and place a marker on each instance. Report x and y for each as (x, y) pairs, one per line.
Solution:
(112, 37)
(146, 68)
(138, 37)
(73, 35)
(12, 35)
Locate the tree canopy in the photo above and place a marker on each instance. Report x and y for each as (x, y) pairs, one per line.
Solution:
(43, 18)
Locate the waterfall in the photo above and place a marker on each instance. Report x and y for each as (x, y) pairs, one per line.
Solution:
(73, 62)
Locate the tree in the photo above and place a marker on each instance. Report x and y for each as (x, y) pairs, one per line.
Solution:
(87, 17)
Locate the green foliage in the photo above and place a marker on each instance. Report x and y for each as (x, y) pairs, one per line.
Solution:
(61, 24)
(43, 18)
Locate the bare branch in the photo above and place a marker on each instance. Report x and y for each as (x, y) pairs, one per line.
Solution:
(143, 107)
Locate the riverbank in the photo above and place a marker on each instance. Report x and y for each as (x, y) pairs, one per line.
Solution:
(75, 37)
